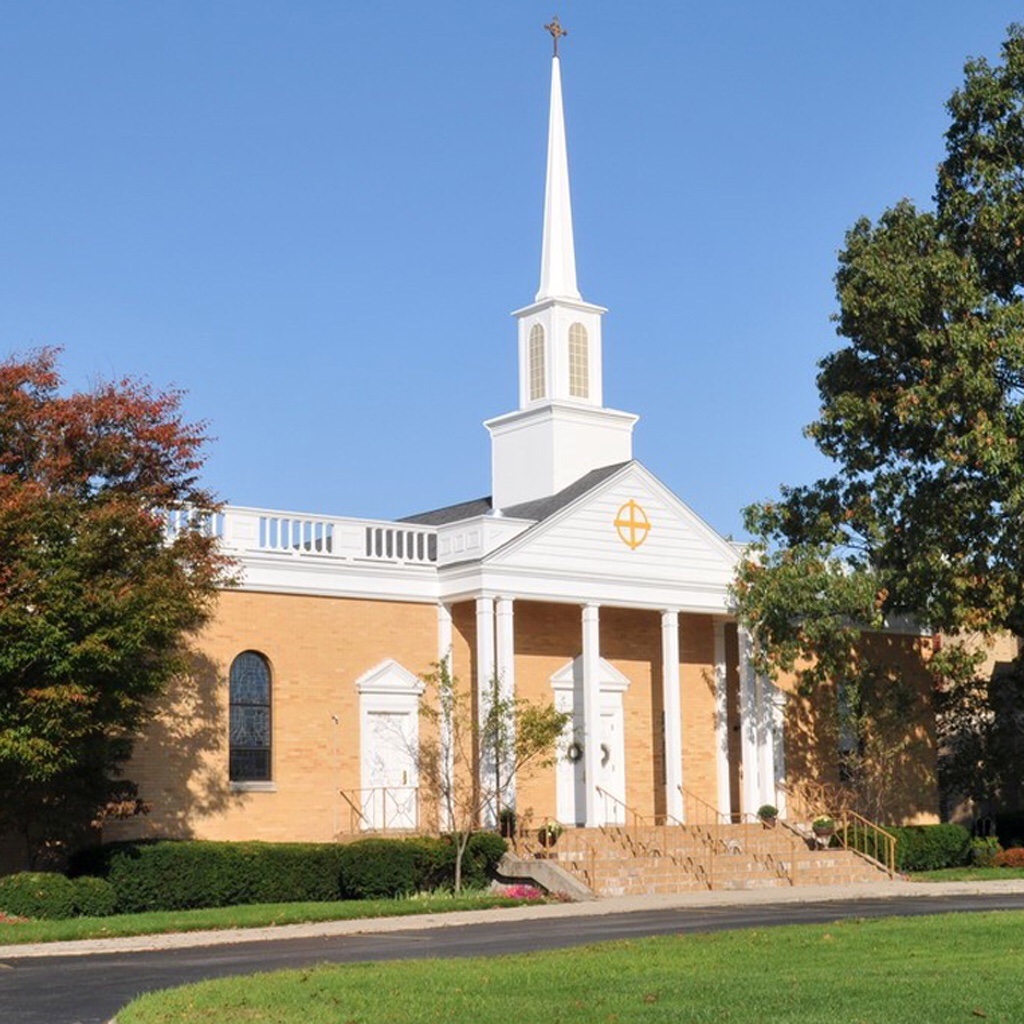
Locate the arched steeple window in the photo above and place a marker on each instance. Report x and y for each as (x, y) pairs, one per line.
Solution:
(249, 718)
(537, 368)
(579, 362)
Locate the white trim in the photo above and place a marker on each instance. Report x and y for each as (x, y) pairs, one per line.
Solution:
(390, 678)
(252, 787)
(612, 680)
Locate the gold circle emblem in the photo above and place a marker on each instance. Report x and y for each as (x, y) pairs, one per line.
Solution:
(632, 524)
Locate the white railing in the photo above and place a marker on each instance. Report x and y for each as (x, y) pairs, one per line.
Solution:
(295, 534)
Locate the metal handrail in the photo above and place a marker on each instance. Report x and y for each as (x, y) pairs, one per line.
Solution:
(359, 800)
(762, 846)
(882, 844)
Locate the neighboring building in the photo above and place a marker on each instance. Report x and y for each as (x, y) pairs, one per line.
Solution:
(582, 579)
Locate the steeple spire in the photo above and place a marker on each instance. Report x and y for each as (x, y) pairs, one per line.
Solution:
(558, 255)
(561, 430)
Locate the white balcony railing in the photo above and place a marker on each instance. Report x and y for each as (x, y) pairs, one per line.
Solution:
(252, 530)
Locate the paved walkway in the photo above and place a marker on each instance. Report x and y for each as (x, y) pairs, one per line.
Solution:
(610, 905)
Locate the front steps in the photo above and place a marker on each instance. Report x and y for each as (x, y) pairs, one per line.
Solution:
(617, 860)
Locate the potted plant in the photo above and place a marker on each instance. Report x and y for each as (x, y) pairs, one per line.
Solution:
(823, 827)
(549, 833)
(768, 815)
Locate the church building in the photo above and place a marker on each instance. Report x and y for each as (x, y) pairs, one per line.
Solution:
(581, 580)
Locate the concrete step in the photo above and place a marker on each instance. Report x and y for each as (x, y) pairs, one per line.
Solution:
(617, 861)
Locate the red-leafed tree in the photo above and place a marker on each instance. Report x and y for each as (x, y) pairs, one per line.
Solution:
(97, 598)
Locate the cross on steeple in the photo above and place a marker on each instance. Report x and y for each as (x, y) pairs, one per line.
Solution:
(556, 30)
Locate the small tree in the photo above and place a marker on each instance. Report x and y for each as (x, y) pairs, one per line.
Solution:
(515, 735)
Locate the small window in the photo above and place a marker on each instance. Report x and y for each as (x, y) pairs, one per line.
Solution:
(249, 718)
(537, 388)
(579, 362)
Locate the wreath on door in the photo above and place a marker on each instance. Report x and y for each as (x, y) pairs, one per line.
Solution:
(574, 752)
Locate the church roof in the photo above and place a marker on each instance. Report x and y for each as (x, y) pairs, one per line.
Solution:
(537, 510)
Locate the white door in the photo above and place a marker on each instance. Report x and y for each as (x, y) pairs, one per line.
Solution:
(570, 772)
(389, 771)
(613, 752)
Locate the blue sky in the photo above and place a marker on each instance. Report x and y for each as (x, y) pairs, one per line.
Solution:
(315, 217)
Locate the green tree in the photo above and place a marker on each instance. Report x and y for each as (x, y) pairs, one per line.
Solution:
(97, 597)
(510, 735)
(922, 415)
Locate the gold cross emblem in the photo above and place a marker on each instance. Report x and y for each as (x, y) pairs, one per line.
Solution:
(632, 524)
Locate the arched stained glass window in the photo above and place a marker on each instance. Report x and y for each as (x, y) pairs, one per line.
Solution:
(579, 362)
(249, 718)
(537, 387)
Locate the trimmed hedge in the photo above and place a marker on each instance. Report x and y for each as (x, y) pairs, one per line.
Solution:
(921, 847)
(931, 847)
(187, 874)
(50, 896)
(37, 894)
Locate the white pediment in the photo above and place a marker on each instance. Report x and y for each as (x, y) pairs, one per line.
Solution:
(628, 528)
(389, 677)
(570, 676)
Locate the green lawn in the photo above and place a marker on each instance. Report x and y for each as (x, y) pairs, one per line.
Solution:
(257, 916)
(954, 968)
(965, 874)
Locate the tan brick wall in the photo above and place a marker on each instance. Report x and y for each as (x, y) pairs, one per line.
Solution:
(317, 648)
(906, 786)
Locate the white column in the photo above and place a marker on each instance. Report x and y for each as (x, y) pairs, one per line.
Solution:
(724, 799)
(444, 634)
(765, 741)
(444, 657)
(592, 712)
(779, 734)
(751, 789)
(484, 681)
(506, 667)
(673, 713)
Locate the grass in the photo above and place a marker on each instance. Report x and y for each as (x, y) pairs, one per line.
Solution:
(255, 916)
(953, 968)
(965, 874)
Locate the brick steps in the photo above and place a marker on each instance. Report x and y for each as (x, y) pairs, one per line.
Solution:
(615, 861)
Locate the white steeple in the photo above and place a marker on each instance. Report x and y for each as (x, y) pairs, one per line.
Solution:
(561, 430)
(558, 252)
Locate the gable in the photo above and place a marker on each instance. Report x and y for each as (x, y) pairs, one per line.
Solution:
(631, 528)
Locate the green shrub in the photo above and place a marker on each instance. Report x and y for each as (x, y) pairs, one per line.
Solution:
(385, 868)
(182, 875)
(37, 894)
(931, 847)
(484, 851)
(186, 874)
(94, 897)
(984, 851)
(918, 847)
